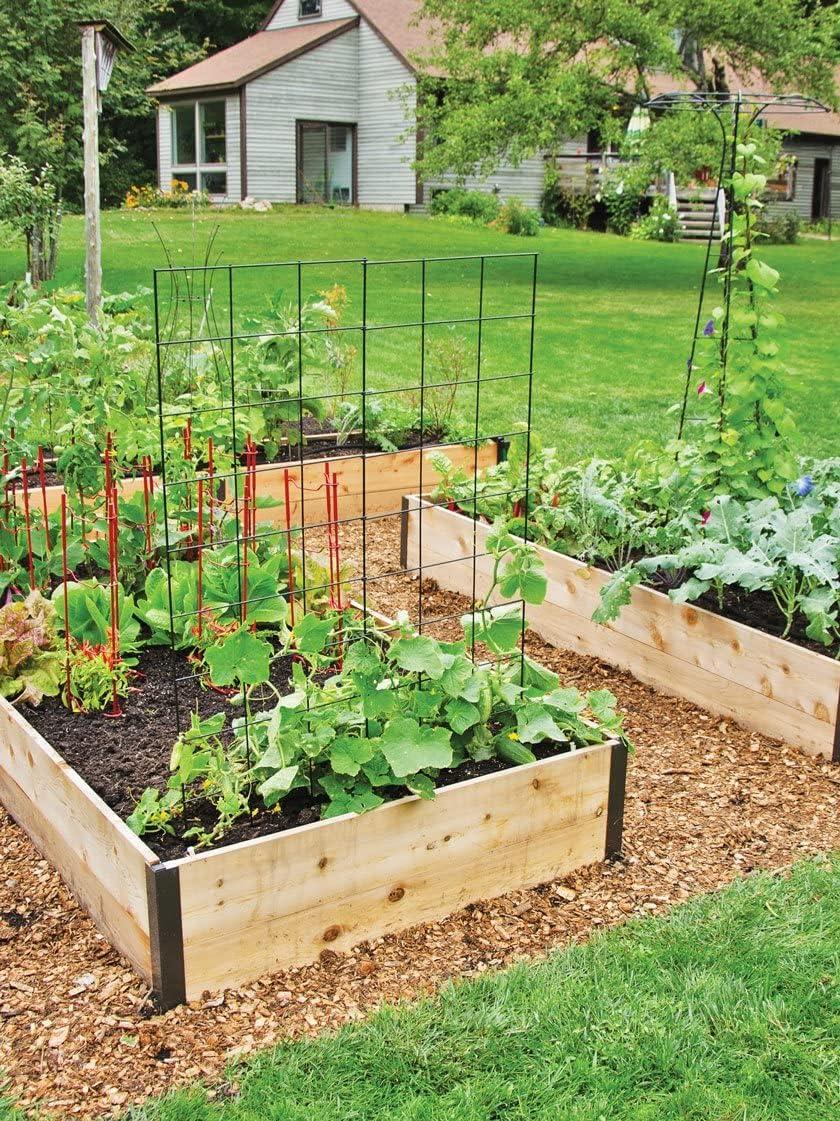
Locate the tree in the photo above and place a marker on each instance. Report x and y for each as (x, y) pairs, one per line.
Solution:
(40, 79)
(29, 205)
(520, 74)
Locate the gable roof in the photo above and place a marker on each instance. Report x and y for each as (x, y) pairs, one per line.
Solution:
(394, 23)
(231, 68)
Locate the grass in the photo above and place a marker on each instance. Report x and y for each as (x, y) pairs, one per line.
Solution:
(614, 317)
(727, 1010)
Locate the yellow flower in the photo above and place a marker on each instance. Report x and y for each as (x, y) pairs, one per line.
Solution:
(513, 736)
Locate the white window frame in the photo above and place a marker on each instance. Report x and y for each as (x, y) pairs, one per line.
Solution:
(311, 15)
(198, 168)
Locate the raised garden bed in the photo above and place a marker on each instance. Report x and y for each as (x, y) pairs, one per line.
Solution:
(226, 916)
(775, 687)
(384, 477)
(387, 477)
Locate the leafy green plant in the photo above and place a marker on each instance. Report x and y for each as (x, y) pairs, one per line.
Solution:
(661, 223)
(790, 550)
(517, 219)
(89, 614)
(477, 206)
(373, 714)
(95, 680)
(30, 663)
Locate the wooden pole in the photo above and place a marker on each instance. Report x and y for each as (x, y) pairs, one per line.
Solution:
(93, 236)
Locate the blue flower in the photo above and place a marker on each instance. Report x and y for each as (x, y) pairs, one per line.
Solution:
(803, 487)
(709, 329)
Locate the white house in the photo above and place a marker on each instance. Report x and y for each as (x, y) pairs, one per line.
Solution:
(318, 107)
(315, 107)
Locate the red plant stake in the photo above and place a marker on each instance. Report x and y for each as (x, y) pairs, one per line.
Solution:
(199, 563)
(211, 474)
(42, 478)
(65, 576)
(337, 546)
(28, 523)
(146, 467)
(246, 529)
(330, 538)
(111, 515)
(291, 578)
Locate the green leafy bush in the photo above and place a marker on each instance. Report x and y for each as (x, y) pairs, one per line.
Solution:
(622, 192)
(517, 219)
(478, 206)
(779, 229)
(661, 223)
(566, 201)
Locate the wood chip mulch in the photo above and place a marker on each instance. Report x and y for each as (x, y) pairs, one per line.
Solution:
(707, 801)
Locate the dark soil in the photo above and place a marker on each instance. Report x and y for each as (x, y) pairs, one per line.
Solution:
(119, 757)
(328, 448)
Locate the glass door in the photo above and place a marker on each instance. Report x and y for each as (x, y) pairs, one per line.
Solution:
(326, 162)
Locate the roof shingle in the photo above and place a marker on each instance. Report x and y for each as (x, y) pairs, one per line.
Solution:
(244, 61)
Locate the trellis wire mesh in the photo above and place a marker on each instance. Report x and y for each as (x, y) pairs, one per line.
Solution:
(221, 371)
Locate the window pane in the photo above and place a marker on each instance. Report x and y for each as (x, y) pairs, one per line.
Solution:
(213, 149)
(187, 177)
(214, 182)
(312, 164)
(310, 8)
(340, 164)
(183, 134)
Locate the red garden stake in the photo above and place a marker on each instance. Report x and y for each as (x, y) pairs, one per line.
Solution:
(65, 576)
(246, 529)
(211, 476)
(42, 478)
(199, 563)
(146, 468)
(291, 578)
(111, 511)
(330, 539)
(333, 486)
(28, 524)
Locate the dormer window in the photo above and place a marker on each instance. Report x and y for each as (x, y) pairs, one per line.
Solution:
(309, 9)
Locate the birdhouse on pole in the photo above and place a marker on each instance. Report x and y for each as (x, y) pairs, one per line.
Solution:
(100, 44)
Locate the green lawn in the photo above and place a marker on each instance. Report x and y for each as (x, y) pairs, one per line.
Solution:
(728, 1010)
(614, 317)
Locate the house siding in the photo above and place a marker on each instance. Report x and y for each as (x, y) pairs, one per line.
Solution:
(234, 177)
(525, 181)
(386, 143)
(807, 149)
(319, 86)
(164, 138)
(287, 14)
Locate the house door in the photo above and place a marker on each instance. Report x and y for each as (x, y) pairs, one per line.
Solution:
(821, 199)
(326, 162)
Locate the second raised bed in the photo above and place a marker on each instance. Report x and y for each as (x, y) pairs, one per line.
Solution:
(772, 686)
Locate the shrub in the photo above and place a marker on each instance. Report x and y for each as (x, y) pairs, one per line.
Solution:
(478, 206)
(623, 192)
(780, 229)
(566, 202)
(518, 219)
(178, 197)
(661, 223)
